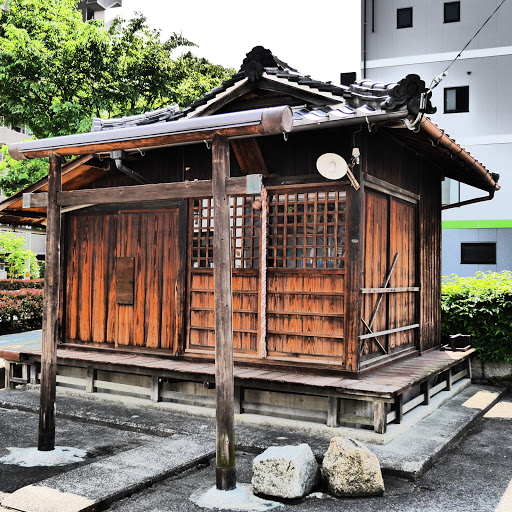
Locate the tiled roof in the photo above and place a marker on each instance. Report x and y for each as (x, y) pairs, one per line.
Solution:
(371, 97)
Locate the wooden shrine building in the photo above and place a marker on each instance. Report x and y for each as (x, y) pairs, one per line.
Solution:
(335, 283)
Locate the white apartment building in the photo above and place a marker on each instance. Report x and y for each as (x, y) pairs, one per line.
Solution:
(423, 37)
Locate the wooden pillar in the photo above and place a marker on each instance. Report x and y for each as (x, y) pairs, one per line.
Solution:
(50, 311)
(332, 411)
(379, 417)
(354, 264)
(224, 381)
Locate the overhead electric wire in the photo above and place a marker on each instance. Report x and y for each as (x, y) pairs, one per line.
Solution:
(477, 32)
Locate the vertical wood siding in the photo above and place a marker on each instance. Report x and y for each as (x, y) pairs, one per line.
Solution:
(430, 259)
(375, 262)
(95, 241)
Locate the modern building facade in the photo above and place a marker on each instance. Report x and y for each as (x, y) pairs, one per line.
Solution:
(423, 37)
(95, 9)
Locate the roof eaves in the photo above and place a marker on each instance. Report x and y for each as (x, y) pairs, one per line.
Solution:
(303, 86)
(195, 112)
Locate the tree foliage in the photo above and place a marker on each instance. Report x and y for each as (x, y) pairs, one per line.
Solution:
(17, 175)
(16, 257)
(57, 72)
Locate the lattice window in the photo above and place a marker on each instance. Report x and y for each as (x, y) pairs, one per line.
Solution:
(307, 230)
(245, 232)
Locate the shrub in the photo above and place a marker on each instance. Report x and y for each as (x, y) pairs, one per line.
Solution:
(480, 306)
(20, 310)
(18, 284)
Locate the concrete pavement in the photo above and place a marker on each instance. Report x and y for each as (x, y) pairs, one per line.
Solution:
(143, 445)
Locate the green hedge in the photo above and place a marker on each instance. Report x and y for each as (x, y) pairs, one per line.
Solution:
(480, 306)
(20, 310)
(18, 284)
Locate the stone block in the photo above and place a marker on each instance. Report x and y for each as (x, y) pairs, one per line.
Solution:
(499, 370)
(285, 471)
(350, 469)
(477, 368)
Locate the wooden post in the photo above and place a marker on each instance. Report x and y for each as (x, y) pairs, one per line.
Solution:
(379, 417)
(50, 311)
(399, 408)
(332, 411)
(224, 381)
(89, 380)
(425, 391)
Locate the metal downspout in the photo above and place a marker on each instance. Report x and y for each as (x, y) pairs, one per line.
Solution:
(469, 201)
(118, 156)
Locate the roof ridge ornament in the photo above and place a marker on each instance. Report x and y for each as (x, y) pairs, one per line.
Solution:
(408, 92)
(260, 58)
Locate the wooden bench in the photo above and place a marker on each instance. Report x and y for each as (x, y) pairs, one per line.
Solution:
(381, 397)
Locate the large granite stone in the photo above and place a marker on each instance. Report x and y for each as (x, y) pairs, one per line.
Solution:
(285, 471)
(350, 469)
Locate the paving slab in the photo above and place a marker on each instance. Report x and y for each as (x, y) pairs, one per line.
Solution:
(412, 453)
(408, 455)
(112, 478)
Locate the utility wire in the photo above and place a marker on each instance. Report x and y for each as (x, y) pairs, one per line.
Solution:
(478, 31)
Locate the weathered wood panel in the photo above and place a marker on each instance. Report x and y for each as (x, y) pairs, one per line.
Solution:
(150, 238)
(305, 314)
(375, 263)
(430, 259)
(95, 241)
(402, 305)
(245, 310)
(90, 289)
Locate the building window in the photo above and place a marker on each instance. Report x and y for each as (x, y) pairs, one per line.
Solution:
(456, 99)
(451, 12)
(404, 17)
(245, 232)
(306, 230)
(483, 253)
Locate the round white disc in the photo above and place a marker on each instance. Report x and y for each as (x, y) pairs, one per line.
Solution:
(331, 166)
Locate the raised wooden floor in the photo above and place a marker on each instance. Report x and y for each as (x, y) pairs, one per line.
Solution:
(384, 389)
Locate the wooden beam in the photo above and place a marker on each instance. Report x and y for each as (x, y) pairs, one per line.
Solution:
(248, 154)
(391, 290)
(140, 193)
(388, 331)
(270, 121)
(224, 380)
(50, 311)
(392, 190)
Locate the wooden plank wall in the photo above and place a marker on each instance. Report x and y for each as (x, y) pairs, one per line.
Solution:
(305, 313)
(402, 305)
(245, 310)
(91, 313)
(95, 240)
(430, 259)
(375, 262)
(403, 168)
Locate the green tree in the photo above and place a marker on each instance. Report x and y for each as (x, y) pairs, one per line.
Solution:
(16, 257)
(57, 72)
(15, 175)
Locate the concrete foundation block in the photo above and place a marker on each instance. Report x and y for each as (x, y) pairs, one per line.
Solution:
(477, 369)
(500, 370)
(350, 469)
(285, 471)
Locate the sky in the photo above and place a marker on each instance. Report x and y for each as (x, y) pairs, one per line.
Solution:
(320, 39)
